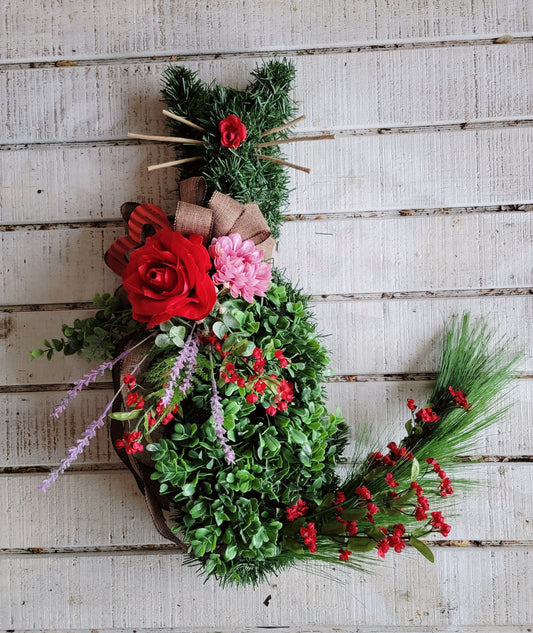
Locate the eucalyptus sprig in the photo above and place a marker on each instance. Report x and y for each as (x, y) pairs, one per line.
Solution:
(96, 336)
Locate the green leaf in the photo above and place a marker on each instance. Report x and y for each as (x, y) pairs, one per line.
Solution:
(162, 340)
(334, 527)
(219, 329)
(231, 552)
(230, 321)
(125, 415)
(297, 436)
(422, 548)
(165, 326)
(361, 544)
(188, 490)
(35, 353)
(415, 469)
(353, 515)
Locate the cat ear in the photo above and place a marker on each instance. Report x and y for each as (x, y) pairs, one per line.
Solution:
(185, 95)
(273, 79)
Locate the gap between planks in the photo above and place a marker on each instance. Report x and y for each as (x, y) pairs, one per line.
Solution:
(336, 378)
(358, 628)
(147, 549)
(294, 217)
(89, 467)
(261, 54)
(323, 298)
(482, 124)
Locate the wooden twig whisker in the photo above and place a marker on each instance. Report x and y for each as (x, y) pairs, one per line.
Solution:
(183, 120)
(166, 139)
(294, 139)
(173, 163)
(284, 126)
(282, 162)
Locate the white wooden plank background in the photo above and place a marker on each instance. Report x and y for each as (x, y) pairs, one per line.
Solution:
(420, 209)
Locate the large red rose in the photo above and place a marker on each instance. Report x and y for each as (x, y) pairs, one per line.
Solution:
(232, 131)
(168, 277)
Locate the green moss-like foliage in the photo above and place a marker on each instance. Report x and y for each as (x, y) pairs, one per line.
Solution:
(264, 105)
(232, 515)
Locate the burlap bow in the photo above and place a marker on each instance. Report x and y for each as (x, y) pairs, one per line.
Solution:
(222, 216)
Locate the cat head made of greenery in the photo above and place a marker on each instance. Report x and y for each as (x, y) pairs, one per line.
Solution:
(247, 173)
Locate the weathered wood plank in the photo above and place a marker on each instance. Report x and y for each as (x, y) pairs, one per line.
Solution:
(382, 256)
(472, 587)
(394, 88)
(498, 509)
(29, 437)
(367, 173)
(404, 336)
(153, 28)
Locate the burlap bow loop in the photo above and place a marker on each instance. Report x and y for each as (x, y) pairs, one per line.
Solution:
(222, 216)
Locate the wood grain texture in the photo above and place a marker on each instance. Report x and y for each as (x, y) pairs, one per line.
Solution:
(381, 89)
(30, 438)
(123, 519)
(383, 256)
(351, 174)
(470, 587)
(385, 336)
(47, 31)
(430, 114)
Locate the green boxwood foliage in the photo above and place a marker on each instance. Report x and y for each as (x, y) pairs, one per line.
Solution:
(231, 514)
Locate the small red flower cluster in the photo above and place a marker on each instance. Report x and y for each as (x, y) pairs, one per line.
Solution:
(422, 415)
(460, 399)
(393, 540)
(395, 454)
(134, 400)
(445, 484)
(308, 533)
(344, 554)
(426, 415)
(130, 381)
(371, 508)
(351, 526)
(257, 382)
(297, 510)
(437, 521)
(422, 506)
(129, 443)
(390, 481)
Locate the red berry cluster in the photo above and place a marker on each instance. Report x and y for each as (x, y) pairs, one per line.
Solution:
(130, 381)
(344, 554)
(460, 399)
(297, 510)
(308, 533)
(134, 400)
(422, 415)
(393, 540)
(371, 508)
(422, 505)
(437, 522)
(445, 484)
(258, 382)
(129, 442)
(390, 481)
(350, 526)
(395, 454)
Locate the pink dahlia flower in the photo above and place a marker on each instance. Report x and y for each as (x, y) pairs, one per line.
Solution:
(239, 265)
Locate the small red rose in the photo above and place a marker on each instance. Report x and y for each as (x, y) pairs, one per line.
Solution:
(232, 131)
(168, 277)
